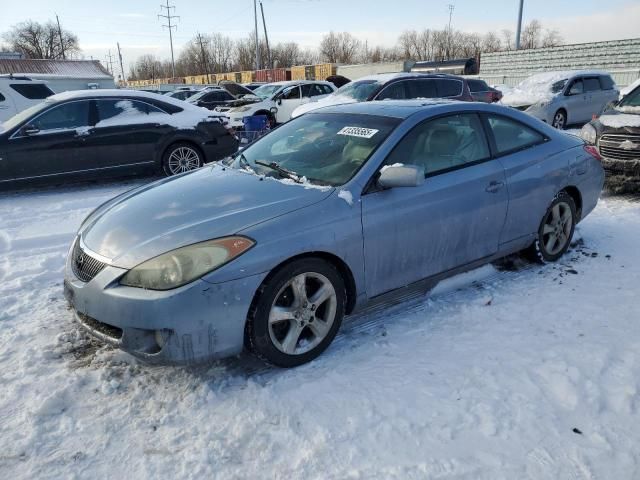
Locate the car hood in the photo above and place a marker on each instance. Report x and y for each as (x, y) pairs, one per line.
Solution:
(209, 203)
(524, 98)
(623, 118)
(323, 102)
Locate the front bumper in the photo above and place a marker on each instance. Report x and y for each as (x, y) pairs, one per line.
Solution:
(192, 324)
(623, 176)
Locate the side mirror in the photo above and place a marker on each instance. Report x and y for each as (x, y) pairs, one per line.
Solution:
(401, 176)
(273, 110)
(29, 130)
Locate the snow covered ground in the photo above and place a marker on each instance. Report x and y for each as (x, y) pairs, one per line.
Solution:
(521, 371)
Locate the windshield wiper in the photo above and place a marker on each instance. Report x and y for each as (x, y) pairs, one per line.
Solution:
(281, 170)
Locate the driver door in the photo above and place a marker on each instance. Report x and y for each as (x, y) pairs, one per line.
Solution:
(455, 217)
(290, 99)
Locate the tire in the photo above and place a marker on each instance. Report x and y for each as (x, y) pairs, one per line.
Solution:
(559, 223)
(181, 157)
(559, 120)
(286, 328)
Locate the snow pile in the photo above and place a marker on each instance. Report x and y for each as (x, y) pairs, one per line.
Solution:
(629, 109)
(347, 196)
(620, 120)
(517, 372)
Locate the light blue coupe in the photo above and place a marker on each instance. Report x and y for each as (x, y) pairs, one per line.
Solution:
(336, 209)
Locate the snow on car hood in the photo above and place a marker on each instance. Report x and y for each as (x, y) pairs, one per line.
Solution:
(534, 89)
(209, 203)
(332, 99)
(620, 120)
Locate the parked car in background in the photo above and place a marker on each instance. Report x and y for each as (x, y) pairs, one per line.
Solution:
(563, 98)
(253, 85)
(616, 134)
(183, 93)
(481, 92)
(100, 133)
(278, 100)
(20, 92)
(332, 211)
(226, 94)
(394, 86)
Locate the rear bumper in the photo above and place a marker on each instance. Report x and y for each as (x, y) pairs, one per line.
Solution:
(192, 324)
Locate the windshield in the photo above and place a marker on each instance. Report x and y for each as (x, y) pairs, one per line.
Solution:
(359, 91)
(20, 117)
(265, 91)
(324, 148)
(198, 96)
(631, 100)
(558, 86)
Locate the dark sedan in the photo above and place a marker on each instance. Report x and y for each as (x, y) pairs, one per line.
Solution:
(106, 133)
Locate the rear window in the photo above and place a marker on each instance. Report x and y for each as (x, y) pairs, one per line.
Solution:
(477, 86)
(606, 82)
(32, 91)
(449, 88)
(591, 84)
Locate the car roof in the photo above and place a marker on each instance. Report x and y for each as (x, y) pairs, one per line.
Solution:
(116, 92)
(387, 77)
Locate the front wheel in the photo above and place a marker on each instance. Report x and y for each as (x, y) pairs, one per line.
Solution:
(556, 229)
(298, 313)
(180, 158)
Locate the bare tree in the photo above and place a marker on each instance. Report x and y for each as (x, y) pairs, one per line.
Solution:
(552, 38)
(339, 47)
(491, 42)
(42, 40)
(531, 34)
(508, 42)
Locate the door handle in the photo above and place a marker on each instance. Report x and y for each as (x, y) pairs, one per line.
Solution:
(493, 187)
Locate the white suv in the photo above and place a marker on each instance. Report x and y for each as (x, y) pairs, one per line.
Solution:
(278, 100)
(18, 93)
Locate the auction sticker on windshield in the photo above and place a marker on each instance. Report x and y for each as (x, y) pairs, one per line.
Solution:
(358, 132)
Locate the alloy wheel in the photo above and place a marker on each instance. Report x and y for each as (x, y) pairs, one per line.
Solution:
(183, 159)
(559, 121)
(302, 313)
(556, 231)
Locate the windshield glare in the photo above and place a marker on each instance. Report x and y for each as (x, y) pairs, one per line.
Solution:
(326, 149)
(265, 91)
(558, 86)
(359, 91)
(20, 117)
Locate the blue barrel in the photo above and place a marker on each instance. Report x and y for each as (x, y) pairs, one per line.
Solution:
(255, 123)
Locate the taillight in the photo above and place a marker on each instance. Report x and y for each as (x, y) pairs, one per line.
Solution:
(593, 151)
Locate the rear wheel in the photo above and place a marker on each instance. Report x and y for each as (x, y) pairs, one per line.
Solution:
(298, 313)
(559, 120)
(180, 158)
(556, 229)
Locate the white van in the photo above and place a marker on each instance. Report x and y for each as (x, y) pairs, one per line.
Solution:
(18, 93)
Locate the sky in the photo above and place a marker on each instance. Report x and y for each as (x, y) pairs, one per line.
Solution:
(135, 25)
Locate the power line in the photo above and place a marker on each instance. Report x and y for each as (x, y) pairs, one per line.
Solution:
(170, 27)
(204, 56)
(451, 9)
(255, 14)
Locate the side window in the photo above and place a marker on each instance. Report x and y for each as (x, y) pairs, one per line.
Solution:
(511, 135)
(317, 90)
(32, 91)
(64, 117)
(307, 90)
(326, 90)
(606, 82)
(449, 88)
(477, 86)
(123, 108)
(576, 88)
(395, 91)
(292, 93)
(591, 84)
(422, 89)
(2, 98)
(224, 96)
(443, 144)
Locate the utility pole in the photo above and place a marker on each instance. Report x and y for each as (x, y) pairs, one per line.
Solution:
(519, 28)
(109, 62)
(60, 35)
(451, 9)
(121, 67)
(169, 17)
(266, 37)
(255, 15)
(204, 56)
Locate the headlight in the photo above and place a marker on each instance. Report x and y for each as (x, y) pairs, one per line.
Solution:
(241, 109)
(538, 105)
(184, 265)
(589, 134)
